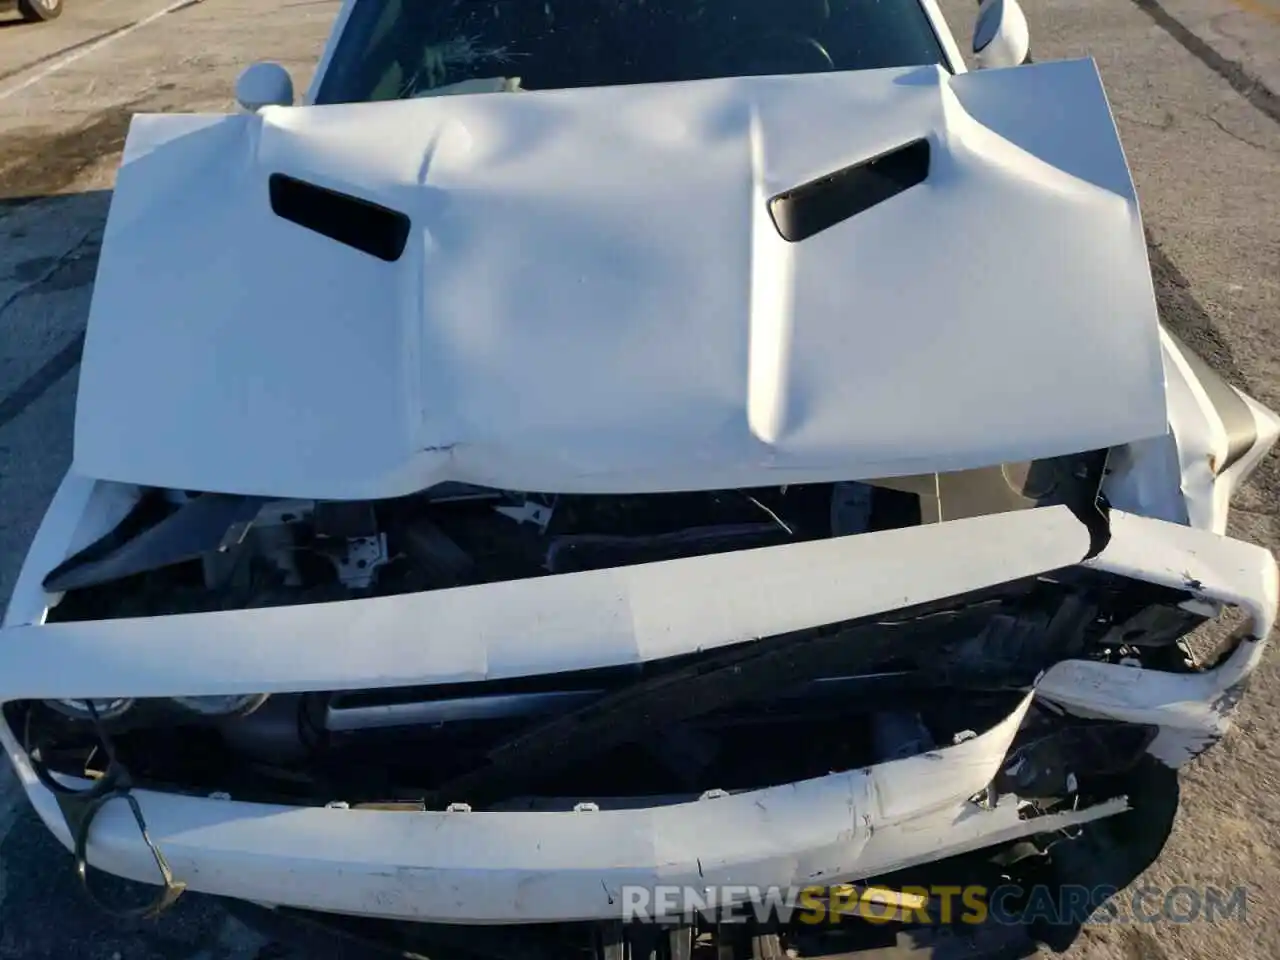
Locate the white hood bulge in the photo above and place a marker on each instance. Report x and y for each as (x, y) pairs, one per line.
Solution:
(593, 296)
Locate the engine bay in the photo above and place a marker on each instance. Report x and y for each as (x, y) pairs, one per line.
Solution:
(190, 552)
(291, 551)
(835, 696)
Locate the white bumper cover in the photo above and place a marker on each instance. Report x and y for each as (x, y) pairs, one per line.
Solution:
(529, 867)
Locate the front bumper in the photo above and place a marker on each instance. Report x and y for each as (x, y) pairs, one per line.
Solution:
(521, 867)
(531, 867)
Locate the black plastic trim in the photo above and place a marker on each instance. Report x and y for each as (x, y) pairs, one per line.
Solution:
(362, 224)
(818, 205)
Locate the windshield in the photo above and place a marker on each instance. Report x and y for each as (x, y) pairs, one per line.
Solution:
(394, 49)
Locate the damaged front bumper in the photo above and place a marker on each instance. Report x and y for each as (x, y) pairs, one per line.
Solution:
(454, 864)
(503, 867)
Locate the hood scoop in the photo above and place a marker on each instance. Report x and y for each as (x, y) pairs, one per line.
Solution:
(360, 224)
(820, 204)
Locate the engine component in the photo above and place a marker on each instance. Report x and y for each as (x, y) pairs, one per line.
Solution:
(851, 507)
(280, 733)
(1045, 766)
(536, 510)
(589, 551)
(79, 709)
(274, 537)
(358, 714)
(898, 734)
(357, 560)
(345, 521)
(222, 706)
(437, 553)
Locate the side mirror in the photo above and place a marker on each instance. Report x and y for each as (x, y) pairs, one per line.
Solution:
(264, 85)
(1001, 37)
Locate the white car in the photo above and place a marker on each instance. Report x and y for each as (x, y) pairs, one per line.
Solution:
(596, 449)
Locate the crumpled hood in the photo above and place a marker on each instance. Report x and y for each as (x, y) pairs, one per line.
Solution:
(594, 296)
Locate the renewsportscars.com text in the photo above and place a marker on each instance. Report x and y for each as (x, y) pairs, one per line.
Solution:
(1067, 904)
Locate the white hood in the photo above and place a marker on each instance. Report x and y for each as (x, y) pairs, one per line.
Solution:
(594, 298)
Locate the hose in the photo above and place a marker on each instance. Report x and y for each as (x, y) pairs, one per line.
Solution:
(80, 808)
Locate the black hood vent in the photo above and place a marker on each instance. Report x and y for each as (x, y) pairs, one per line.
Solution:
(362, 224)
(819, 204)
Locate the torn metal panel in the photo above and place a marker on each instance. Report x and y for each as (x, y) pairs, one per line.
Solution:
(1192, 710)
(82, 511)
(210, 523)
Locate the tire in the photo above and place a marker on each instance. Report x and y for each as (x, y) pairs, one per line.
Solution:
(40, 9)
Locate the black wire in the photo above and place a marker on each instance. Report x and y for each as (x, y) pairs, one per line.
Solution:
(107, 783)
(314, 737)
(83, 806)
(171, 890)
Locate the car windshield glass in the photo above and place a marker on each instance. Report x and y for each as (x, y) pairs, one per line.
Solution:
(393, 49)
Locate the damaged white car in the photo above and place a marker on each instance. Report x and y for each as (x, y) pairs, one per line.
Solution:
(616, 444)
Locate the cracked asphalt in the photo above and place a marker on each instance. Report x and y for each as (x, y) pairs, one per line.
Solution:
(1194, 87)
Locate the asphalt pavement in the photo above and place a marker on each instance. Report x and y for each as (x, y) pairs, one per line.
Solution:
(1194, 88)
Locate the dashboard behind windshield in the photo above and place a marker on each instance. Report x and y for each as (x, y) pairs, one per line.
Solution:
(395, 49)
